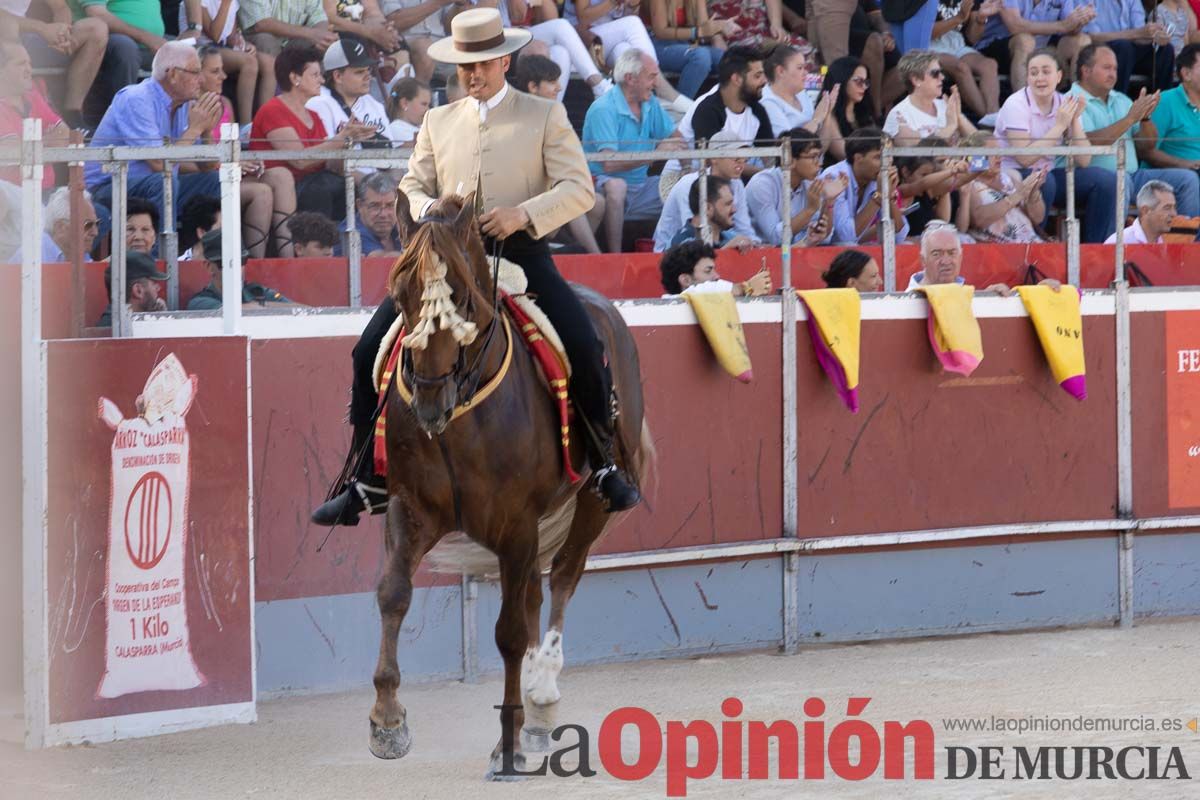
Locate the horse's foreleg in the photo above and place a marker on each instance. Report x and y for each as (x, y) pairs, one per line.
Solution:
(517, 563)
(390, 737)
(538, 692)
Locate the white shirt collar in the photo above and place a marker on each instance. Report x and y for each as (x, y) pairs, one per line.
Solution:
(489, 104)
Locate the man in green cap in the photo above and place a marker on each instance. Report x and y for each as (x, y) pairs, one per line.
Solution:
(141, 286)
(209, 298)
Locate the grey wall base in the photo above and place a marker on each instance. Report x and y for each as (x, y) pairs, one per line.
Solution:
(330, 643)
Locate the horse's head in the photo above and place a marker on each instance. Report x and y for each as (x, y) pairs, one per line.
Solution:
(442, 287)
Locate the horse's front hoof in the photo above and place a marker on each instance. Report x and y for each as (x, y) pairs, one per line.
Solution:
(497, 772)
(390, 742)
(535, 740)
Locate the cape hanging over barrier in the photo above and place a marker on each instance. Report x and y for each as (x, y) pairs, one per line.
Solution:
(718, 317)
(1059, 325)
(835, 327)
(953, 330)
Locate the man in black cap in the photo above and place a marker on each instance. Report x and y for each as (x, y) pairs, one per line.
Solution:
(209, 298)
(141, 286)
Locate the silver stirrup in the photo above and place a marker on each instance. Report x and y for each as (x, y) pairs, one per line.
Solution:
(365, 492)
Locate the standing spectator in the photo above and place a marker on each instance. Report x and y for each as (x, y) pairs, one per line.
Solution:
(1141, 46)
(375, 217)
(141, 226)
(141, 287)
(168, 106)
(852, 104)
(912, 23)
(19, 100)
(78, 45)
(1179, 21)
(720, 217)
(628, 118)
(692, 266)
(271, 24)
(811, 196)
(410, 100)
(675, 208)
(853, 269)
(1110, 115)
(1022, 26)
(1172, 136)
(285, 123)
(313, 236)
(999, 205)
(925, 112)
(1040, 115)
(785, 99)
(688, 41)
(976, 76)
(254, 70)
(856, 211)
(57, 244)
(1156, 210)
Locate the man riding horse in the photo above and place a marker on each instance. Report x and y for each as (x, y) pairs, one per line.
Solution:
(521, 160)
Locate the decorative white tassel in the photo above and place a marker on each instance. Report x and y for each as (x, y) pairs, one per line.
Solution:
(438, 311)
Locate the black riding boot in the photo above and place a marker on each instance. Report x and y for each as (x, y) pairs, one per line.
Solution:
(362, 490)
(608, 480)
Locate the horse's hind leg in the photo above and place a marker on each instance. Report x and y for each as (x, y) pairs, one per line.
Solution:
(539, 719)
(518, 562)
(390, 737)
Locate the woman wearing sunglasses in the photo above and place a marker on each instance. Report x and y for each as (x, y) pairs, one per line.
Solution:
(852, 109)
(925, 112)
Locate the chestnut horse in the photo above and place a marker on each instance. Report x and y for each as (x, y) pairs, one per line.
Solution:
(490, 471)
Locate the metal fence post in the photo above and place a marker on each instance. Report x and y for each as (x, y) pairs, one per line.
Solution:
(470, 628)
(1072, 226)
(120, 309)
(887, 232)
(791, 498)
(1122, 202)
(170, 252)
(353, 242)
(231, 230)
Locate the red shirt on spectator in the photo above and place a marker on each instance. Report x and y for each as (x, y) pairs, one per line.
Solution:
(275, 115)
(33, 106)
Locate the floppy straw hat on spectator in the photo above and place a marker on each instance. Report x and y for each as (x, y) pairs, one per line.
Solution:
(477, 34)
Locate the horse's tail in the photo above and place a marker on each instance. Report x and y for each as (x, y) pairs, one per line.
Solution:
(459, 554)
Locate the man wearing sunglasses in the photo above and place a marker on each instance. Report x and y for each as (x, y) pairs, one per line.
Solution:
(57, 244)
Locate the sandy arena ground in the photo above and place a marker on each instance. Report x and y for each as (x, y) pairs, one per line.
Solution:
(315, 747)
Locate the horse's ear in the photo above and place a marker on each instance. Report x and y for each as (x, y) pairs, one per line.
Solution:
(466, 217)
(404, 220)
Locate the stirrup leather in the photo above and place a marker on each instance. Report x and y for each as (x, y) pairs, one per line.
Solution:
(374, 499)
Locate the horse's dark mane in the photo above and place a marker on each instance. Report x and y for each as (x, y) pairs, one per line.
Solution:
(437, 235)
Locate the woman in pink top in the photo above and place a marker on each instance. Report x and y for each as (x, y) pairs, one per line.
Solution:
(1040, 116)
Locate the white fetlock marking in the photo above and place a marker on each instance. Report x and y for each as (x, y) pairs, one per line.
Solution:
(527, 667)
(542, 687)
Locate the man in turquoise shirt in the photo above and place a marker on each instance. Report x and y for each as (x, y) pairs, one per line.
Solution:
(1110, 115)
(1172, 137)
(628, 118)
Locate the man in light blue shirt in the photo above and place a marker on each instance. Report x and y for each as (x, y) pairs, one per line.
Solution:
(1121, 24)
(57, 244)
(1110, 115)
(676, 211)
(628, 118)
(159, 110)
(765, 194)
(856, 211)
(1022, 26)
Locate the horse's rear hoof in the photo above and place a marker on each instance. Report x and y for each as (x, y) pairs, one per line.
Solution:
(496, 769)
(535, 740)
(390, 742)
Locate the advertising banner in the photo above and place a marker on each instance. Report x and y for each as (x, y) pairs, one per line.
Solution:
(1183, 409)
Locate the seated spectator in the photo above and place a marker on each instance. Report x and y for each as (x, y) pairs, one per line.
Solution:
(692, 266)
(1041, 115)
(628, 118)
(285, 123)
(857, 210)
(1022, 26)
(852, 104)
(1156, 210)
(210, 299)
(10, 221)
(420, 24)
(999, 205)
(313, 236)
(676, 211)
(365, 23)
(558, 40)
(618, 28)
(1110, 115)
(853, 269)
(410, 100)
(923, 195)
(871, 38)
(1172, 136)
(688, 41)
(57, 244)
(812, 197)
(911, 23)
(19, 100)
(941, 261)
(135, 34)
(346, 94)
(77, 45)
(784, 97)
(141, 226)
(375, 218)
(925, 112)
(254, 70)
(1141, 46)
(976, 76)
(168, 106)
(1179, 21)
(720, 211)
(141, 287)
(760, 25)
(198, 216)
(271, 24)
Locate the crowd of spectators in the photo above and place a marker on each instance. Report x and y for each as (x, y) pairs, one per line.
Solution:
(834, 76)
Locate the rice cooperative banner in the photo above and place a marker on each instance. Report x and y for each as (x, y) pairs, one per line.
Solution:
(149, 590)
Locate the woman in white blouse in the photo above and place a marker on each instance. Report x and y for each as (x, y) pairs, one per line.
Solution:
(925, 112)
(785, 99)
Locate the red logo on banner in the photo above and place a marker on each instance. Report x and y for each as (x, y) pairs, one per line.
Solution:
(1183, 409)
(148, 520)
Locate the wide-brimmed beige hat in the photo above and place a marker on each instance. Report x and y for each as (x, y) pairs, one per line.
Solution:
(478, 35)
